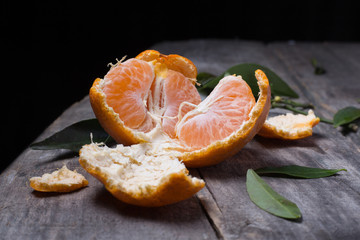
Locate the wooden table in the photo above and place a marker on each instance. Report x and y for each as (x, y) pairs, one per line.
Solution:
(222, 210)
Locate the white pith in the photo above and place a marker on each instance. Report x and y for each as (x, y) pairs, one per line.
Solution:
(292, 123)
(132, 169)
(62, 176)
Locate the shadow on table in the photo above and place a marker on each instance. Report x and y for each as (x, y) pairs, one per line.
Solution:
(53, 194)
(309, 142)
(58, 156)
(263, 152)
(185, 211)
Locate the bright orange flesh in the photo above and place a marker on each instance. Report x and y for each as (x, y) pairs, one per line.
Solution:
(137, 91)
(218, 151)
(129, 84)
(177, 89)
(159, 90)
(126, 86)
(219, 115)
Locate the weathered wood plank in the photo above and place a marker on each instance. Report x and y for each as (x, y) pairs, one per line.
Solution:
(330, 206)
(325, 203)
(349, 53)
(330, 92)
(90, 213)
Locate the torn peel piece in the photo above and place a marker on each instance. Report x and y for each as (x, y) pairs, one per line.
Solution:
(219, 150)
(62, 180)
(289, 126)
(138, 178)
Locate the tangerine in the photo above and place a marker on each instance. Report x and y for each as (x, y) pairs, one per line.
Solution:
(151, 103)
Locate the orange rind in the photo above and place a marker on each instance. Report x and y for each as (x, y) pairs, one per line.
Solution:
(289, 126)
(222, 149)
(134, 177)
(173, 61)
(62, 180)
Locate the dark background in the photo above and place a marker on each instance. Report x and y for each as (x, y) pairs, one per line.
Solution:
(53, 50)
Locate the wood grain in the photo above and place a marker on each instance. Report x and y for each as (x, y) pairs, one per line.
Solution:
(222, 210)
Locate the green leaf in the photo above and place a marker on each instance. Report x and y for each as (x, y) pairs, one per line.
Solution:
(203, 78)
(74, 136)
(317, 69)
(299, 171)
(346, 115)
(247, 71)
(267, 199)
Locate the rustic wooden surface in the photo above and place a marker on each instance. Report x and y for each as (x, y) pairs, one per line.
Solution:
(222, 210)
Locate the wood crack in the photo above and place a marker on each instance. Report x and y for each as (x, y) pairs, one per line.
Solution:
(211, 221)
(211, 209)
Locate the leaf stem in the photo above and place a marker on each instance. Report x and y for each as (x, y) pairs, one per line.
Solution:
(278, 99)
(296, 104)
(325, 120)
(288, 107)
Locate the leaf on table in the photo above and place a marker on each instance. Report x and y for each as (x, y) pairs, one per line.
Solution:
(267, 199)
(247, 71)
(299, 171)
(203, 78)
(346, 115)
(318, 70)
(74, 136)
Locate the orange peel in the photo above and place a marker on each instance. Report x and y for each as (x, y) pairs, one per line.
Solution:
(134, 177)
(220, 150)
(62, 180)
(173, 61)
(289, 126)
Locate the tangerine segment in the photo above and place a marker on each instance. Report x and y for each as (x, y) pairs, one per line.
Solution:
(289, 126)
(173, 61)
(109, 119)
(126, 87)
(177, 90)
(135, 95)
(136, 178)
(218, 116)
(224, 148)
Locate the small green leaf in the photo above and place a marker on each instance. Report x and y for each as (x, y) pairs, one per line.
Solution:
(247, 71)
(317, 69)
(74, 136)
(267, 199)
(346, 115)
(299, 171)
(203, 78)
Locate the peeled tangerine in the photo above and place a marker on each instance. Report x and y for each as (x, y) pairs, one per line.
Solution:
(150, 106)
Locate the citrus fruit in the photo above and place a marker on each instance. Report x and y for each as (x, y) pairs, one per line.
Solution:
(151, 103)
(135, 95)
(219, 150)
(289, 126)
(62, 180)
